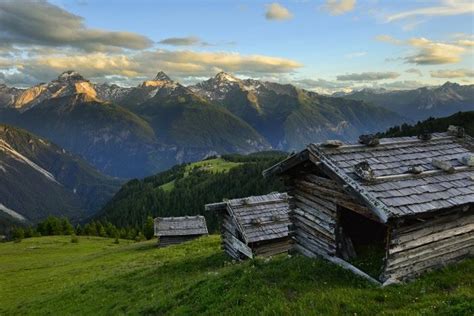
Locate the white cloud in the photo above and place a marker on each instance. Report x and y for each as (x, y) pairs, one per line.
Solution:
(414, 71)
(428, 52)
(388, 39)
(42, 23)
(368, 76)
(452, 73)
(446, 7)
(276, 11)
(433, 53)
(338, 7)
(355, 55)
(145, 64)
(181, 41)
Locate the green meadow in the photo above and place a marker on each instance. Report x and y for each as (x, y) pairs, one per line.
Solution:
(52, 276)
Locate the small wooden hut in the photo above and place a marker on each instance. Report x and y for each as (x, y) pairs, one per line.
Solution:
(176, 230)
(410, 197)
(254, 226)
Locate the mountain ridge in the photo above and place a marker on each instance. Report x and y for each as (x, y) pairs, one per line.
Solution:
(39, 178)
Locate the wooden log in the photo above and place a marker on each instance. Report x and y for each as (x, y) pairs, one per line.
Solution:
(325, 206)
(304, 237)
(431, 238)
(430, 251)
(430, 229)
(456, 213)
(343, 264)
(326, 229)
(307, 195)
(416, 269)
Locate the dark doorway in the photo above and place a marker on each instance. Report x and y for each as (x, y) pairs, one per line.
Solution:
(361, 241)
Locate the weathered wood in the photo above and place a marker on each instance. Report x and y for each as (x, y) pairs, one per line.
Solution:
(447, 217)
(301, 198)
(322, 228)
(430, 251)
(430, 229)
(343, 264)
(439, 261)
(240, 246)
(432, 238)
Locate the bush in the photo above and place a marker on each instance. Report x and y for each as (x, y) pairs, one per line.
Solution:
(74, 239)
(140, 237)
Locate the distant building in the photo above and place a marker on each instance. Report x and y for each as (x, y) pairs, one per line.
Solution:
(254, 226)
(175, 230)
(409, 197)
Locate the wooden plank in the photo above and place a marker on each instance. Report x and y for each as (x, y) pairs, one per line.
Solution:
(431, 238)
(416, 269)
(430, 229)
(430, 252)
(241, 247)
(327, 229)
(343, 264)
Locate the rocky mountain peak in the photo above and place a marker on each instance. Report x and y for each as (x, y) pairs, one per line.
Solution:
(449, 84)
(223, 76)
(70, 75)
(161, 76)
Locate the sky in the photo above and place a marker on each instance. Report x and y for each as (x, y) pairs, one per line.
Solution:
(324, 46)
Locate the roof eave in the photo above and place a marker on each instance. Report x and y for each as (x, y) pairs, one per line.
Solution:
(290, 162)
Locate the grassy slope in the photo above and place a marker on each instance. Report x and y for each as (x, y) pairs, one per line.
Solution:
(50, 275)
(212, 165)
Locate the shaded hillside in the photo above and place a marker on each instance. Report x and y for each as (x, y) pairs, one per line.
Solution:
(421, 103)
(39, 179)
(290, 118)
(464, 119)
(185, 189)
(97, 277)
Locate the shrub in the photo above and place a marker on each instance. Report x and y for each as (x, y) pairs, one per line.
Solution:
(74, 239)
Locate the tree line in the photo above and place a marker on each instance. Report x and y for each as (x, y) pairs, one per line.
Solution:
(54, 226)
(192, 189)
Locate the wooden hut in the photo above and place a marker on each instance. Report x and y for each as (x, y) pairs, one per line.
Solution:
(254, 226)
(410, 197)
(175, 230)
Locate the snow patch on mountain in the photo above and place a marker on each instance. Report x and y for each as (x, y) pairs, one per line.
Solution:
(5, 147)
(12, 213)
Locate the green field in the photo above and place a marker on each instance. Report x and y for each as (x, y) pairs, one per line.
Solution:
(52, 276)
(215, 165)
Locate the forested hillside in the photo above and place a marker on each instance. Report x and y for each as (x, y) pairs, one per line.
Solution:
(186, 188)
(464, 119)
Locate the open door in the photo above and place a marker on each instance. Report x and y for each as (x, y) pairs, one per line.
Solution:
(361, 241)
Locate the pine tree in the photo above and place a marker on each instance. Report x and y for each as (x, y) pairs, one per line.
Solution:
(149, 229)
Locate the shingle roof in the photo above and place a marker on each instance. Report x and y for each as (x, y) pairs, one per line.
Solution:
(263, 217)
(180, 226)
(394, 191)
(403, 193)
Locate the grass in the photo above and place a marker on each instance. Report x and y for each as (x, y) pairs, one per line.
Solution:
(216, 165)
(52, 276)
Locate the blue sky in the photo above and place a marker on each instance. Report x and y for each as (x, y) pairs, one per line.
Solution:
(320, 45)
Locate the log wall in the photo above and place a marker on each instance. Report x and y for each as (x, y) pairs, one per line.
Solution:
(314, 213)
(418, 247)
(229, 229)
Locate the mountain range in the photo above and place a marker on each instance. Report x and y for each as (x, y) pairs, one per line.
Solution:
(39, 179)
(130, 132)
(421, 103)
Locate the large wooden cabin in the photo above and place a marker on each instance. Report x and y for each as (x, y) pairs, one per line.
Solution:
(409, 197)
(176, 230)
(254, 226)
